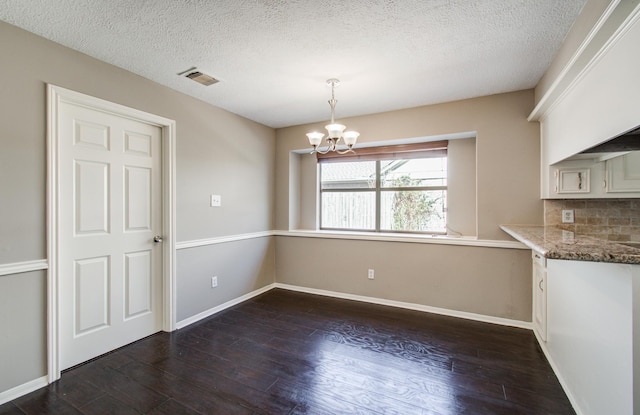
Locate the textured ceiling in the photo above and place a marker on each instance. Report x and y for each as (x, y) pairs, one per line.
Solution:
(272, 57)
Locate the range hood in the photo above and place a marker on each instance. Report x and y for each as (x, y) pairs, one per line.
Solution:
(629, 141)
(617, 146)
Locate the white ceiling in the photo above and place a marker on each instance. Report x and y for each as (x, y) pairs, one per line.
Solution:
(272, 57)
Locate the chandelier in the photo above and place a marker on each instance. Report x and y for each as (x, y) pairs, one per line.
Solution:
(334, 131)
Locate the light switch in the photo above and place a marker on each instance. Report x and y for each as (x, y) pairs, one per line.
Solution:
(216, 200)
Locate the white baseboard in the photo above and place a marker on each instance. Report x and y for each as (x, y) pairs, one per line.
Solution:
(23, 389)
(411, 306)
(224, 306)
(373, 300)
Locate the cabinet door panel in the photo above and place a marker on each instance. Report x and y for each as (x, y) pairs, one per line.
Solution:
(573, 180)
(539, 296)
(623, 173)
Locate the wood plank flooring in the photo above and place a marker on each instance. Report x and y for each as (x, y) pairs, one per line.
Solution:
(291, 353)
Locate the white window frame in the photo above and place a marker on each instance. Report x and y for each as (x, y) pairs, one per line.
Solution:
(378, 190)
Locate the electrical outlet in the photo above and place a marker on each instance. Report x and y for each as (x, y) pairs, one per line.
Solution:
(568, 237)
(214, 282)
(567, 216)
(370, 275)
(216, 200)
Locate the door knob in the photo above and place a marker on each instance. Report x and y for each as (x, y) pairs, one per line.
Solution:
(157, 238)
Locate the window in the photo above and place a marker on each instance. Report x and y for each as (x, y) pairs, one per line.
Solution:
(385, 190)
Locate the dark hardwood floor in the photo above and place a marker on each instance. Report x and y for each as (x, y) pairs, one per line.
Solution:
(292, 353)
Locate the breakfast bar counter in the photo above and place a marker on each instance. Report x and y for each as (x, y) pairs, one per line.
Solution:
(555, 243)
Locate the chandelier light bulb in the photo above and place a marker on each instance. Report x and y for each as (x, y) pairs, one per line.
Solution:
(315, 138)
(350, 137)
(334, 130)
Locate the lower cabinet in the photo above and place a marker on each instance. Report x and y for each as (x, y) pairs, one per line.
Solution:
(539, 314)
(592, 338)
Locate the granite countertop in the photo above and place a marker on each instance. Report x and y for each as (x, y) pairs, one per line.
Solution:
(555, 243)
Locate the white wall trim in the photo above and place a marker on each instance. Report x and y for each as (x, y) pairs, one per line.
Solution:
(222, 239)
(359, 236)
(194, 319)
(411, 306)
(420, 239)
(23, 389)
(55, 96)
(25, 266)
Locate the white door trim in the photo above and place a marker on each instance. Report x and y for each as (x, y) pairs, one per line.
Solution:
(55, 96)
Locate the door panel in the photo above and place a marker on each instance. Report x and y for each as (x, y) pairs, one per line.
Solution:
(91, 135)
(138, 286)
(91, 293)
(91, 195)
(139, 144)
(110, 208)
(137, 199)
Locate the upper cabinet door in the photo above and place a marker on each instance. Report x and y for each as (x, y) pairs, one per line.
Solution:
(572, 180)
(623, 173)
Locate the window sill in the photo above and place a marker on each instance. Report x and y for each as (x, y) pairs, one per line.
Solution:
(406, 238)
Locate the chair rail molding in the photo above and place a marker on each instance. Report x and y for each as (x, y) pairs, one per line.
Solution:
(22, 267)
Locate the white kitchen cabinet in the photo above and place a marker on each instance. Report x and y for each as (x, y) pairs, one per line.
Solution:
(596, 178)
(623, 173)
(573, 180)
(539, 312)
(592, 334)
(576, 179)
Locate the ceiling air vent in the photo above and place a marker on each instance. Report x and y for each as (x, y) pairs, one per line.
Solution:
(201, 78)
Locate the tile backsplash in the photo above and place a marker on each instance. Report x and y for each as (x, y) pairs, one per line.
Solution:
(610, 219)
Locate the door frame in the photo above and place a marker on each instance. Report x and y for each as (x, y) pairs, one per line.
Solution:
(55, 96)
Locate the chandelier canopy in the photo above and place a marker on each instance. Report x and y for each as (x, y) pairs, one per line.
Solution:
(335, 131)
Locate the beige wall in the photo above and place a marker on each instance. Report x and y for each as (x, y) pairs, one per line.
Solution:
(217, 153)
(24, 331)
(488, 281)
(238, 274)
(249, 165)
(507, 154)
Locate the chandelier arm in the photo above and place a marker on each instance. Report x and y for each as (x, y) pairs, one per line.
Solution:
(349, 150)
(330, 147)
(322, 152)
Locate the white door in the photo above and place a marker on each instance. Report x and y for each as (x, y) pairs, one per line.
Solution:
(110, 209)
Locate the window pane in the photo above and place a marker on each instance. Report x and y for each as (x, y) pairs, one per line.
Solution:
(349, 210)
(414, 173)
(350, 175)
(413, 210)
